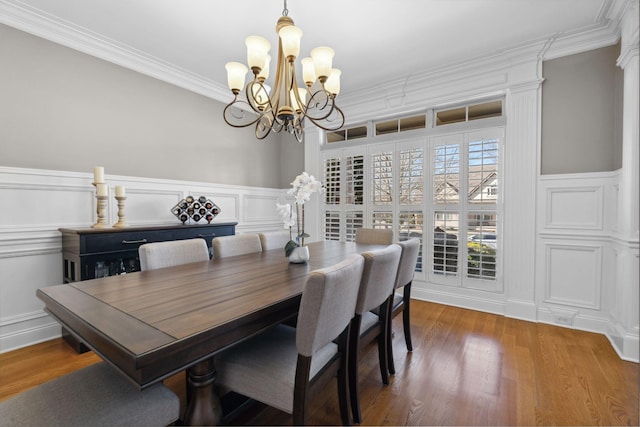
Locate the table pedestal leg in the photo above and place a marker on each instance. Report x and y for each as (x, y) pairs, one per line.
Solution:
(203, 405)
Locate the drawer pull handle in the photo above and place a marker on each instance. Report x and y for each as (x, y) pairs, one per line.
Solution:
(202, 236)
(131, 242)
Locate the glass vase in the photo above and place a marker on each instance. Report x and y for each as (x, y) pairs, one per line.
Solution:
(299, 255)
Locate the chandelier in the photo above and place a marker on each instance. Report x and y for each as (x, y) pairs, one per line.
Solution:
(285, 106)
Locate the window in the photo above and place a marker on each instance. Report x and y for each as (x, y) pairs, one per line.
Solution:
(354, 220)
(410, 226)
(347, 134)
(401, 125)
(445, 243)
(469, 112)
(344, 195)
(446, 173)
(465, 229)
(332, 225)
(483, 171)
(481, 245)
(382, 220)
(411, 176)
(332, 181)
(442, 188)
(382, 178)
(354, 180)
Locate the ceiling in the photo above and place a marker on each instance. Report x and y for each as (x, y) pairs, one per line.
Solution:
(376, 41)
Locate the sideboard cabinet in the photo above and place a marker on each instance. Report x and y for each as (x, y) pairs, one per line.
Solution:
(97, 252)
(91, 253)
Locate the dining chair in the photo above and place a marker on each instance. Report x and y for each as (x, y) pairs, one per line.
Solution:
(175, 252)
(378, 279)
(374, 236)
(238, 244)
(401, 302)
(274, 239)
(283, 367)
(96, 395)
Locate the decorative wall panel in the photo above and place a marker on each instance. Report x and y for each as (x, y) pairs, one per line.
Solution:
(573, 275)
(574, 208)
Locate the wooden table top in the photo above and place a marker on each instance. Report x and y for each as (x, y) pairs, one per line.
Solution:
(155, 323)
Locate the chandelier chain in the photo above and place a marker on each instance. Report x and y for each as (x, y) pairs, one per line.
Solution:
(285, 11)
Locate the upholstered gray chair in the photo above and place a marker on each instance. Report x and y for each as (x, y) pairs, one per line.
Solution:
(238, 244)
(401, 302)
(374, 236)
(284, 366)
(93, 396)
(378, 279)
(175, 252)
(274, 239)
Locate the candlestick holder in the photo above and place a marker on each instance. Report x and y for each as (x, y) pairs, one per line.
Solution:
(101, 206)
(102, 210)
(122, 222)
(95, 184)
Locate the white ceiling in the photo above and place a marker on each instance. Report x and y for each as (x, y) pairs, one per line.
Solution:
(376, 41)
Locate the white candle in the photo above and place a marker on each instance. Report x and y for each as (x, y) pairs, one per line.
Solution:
(98, 174)
(101, 189)
(120, 191)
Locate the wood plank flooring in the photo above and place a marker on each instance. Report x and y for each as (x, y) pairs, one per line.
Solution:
(467, 368)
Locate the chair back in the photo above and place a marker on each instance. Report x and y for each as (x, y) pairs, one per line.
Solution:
(374, 236)
(328, 303)
(408, 261)
(274, 239)
(238, 244)
(175, 252)
(378, 277)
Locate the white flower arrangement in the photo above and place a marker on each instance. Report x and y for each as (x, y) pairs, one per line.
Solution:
(302, 188)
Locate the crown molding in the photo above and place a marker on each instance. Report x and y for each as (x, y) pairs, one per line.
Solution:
(507, 63)
(604, 32)
(34, 21)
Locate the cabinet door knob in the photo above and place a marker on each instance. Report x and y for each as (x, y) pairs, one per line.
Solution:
(131, 242)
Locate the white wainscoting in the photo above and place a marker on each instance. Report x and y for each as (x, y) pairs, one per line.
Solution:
(36, 203)
(578, 265)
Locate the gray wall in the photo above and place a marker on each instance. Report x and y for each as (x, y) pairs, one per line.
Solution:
(582, 113)
(64, 110)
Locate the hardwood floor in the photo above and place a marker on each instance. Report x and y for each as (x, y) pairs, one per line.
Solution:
(467, 368)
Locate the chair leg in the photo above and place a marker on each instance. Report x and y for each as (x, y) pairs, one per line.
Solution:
(354, 341)
(390, 362)
(406, 317)
(343, 380)
(301, 390)
(382, 342)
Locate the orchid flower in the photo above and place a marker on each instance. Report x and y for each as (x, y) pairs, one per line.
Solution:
(302, 188)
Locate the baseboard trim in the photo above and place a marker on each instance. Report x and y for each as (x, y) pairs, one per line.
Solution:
(456, 300)
(29, 336)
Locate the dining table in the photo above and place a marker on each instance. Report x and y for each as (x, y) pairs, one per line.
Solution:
(152, 324)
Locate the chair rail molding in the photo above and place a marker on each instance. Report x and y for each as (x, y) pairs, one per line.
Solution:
(42, 201)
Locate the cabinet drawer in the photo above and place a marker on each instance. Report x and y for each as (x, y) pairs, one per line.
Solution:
(124, 241)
